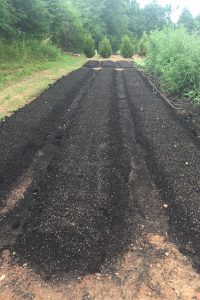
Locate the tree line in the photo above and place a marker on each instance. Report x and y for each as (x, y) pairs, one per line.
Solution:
(66, 22)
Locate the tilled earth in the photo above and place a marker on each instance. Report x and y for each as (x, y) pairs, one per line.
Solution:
(100, 190)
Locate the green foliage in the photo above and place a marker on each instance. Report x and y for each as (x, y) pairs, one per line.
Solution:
(197, 24)
(186, 19)
(174, 57)
(7, 20)
(105, 49)
(32, 16)
(155, 16)
(91, 12)
(27, 51)
(143, 45)
(58, 19)
(126, 48)
(89, 46)
(67, 21)
(115, 19)
(66, 27)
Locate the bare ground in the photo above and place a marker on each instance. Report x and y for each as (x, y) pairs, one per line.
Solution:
(99, 193)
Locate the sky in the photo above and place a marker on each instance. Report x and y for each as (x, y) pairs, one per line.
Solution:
(177, 5)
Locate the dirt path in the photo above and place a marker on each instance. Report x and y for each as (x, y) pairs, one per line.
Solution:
(99, 193)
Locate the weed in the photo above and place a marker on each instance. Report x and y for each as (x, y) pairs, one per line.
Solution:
(174, 57)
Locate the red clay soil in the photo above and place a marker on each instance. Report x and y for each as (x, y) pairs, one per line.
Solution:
(99, 182)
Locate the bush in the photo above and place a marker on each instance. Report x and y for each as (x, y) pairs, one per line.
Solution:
(143, 45)
(174, 57)
(105, 49)
(126, 47)
(89, 46)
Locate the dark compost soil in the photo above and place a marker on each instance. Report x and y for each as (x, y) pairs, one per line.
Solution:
(91, 166)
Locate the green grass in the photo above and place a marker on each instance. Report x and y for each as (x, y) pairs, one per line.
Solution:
(13, 72)
(23, 57)
(20, 83)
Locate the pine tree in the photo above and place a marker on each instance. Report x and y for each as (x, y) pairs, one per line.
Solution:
(105, 49)
(89, 46)
(126, 47)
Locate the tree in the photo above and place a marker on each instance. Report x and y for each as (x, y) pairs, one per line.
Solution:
(32, 16)
(155, 16)
(116, 20)
(104, 18)
(186, 19)
(7, 20)
(67, 21)
(89, 46)
(91, 13)
(105, 49)
(57, 19)
(197, 23)
(65, 25)
(143, 45)
(136, 20)
(126, 47)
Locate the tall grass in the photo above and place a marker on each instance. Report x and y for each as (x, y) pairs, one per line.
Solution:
(174, 56)
(27, 51)
(24, 57)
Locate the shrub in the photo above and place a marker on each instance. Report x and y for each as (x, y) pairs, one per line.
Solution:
(174, 57)
(126, 47)
(105, 49)
(89, 46)
(143, 45)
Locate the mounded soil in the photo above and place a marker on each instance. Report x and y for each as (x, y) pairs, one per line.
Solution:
(100, 192)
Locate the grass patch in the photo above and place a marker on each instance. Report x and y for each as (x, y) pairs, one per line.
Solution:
(23, 82)
(24, 57)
